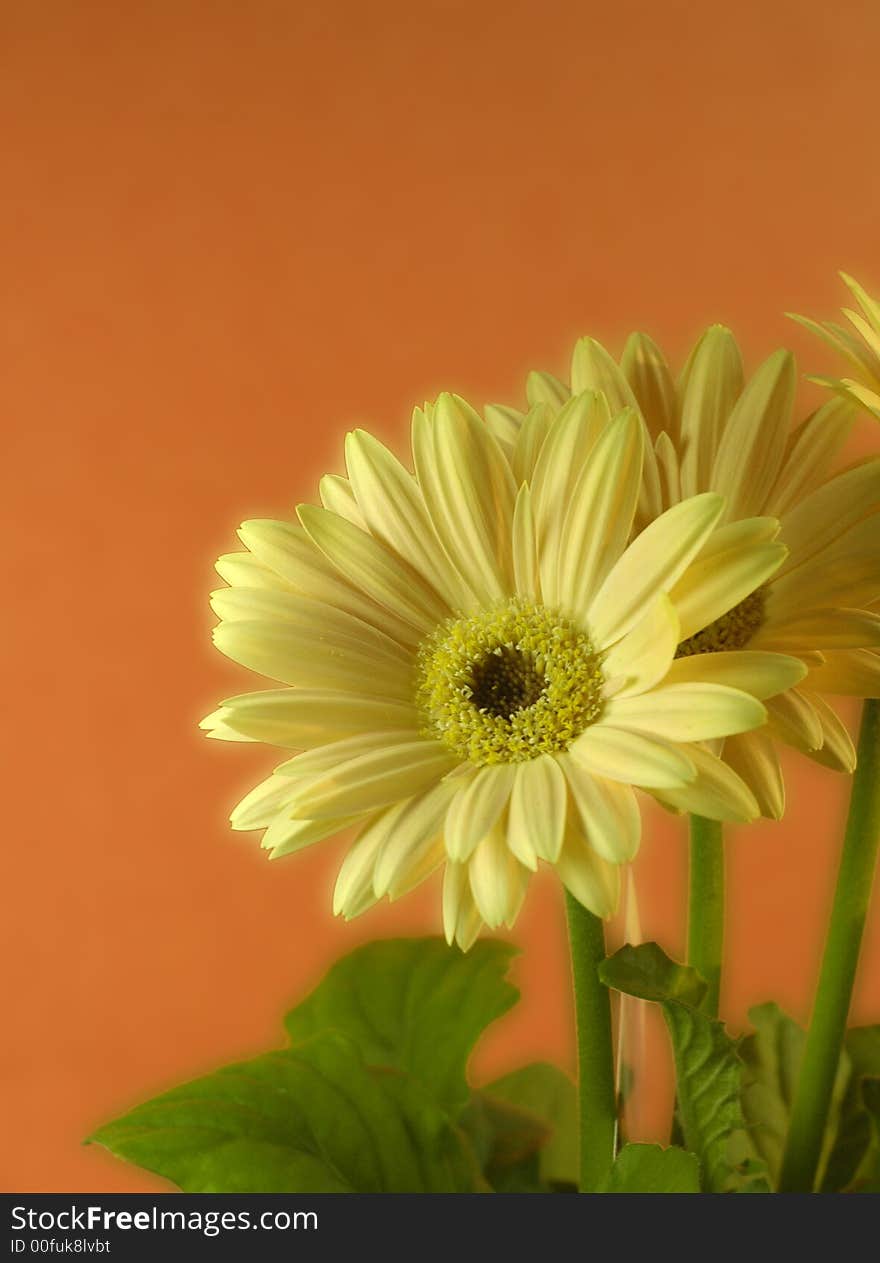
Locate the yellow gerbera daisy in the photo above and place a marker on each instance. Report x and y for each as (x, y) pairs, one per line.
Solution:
(863, 351)
(477, 667)
(713, 431)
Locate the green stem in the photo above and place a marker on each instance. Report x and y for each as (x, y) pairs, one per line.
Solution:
(828, 1026)
(597, 1100)
(706, 906)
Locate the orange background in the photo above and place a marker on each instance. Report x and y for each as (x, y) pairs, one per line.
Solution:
(232, 231)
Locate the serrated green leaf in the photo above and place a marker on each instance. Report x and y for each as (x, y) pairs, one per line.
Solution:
(414, 1004)
(707, 1068)
(772, 1057)
(310, 1119)
(647, 972)
(549, 1093)
(650, 1169)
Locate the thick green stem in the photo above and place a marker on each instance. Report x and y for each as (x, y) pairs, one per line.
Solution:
(706, 906)
(834, 991)
(597, 1100)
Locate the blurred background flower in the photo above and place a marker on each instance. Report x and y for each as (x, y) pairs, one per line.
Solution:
(708, 428)
(859, 345)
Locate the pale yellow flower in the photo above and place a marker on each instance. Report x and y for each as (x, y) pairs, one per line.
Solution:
(711, 430)
(861, 348)
(477, 665)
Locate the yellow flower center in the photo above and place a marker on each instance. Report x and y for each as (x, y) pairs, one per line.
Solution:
(508, 683)
(732, 630)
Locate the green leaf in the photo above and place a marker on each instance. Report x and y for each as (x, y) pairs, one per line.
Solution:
(312, 1119)
(849, 1133)
(867, 1177)
(506, 1142)
(871, 1097)
(648, 973)
(863, 1047)
(772, 1057)
(414, 1004)
(548, 1093)
(706, 1064)
(650, 1169)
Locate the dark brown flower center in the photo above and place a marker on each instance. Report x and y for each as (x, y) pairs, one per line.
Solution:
(506, 681)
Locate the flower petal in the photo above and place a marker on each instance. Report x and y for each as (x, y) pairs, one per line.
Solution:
(261, 805)
(600, 513)
(794, 720)
(536, 820)
(845, 572)
(608, 811)
(354, 893)
(822, 629)
(837, 751)
(304, 718)
(309, 656)
(368, 565)
(253, 605)
(243, 570)
(717, 792)
(651, 565)
(752, 755)
(591, 879)
(734, 562)
(645, 654)
(525, 551)
(530, 442)
(668, 470)
(821, 517)
(504, 424)
(461, 918)
(631, 757)
(475, 809)
(337, 496)
(848, 671)
(569, 442)
(811, 451)
(752, 446)
(218, 728)
(686, 712)
(415, 839)
(644, 367)
(372, 780)
(394, 511)
(545, 388)
(498, 881)
(284, 837)
(323, 758)
(760, 673)
(592, 368)
(288, 552)
(469, 491)
(710, 385)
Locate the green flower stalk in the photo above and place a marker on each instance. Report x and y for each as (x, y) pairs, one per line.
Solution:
(706, 906)
(597, 1095)
(834, 992)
